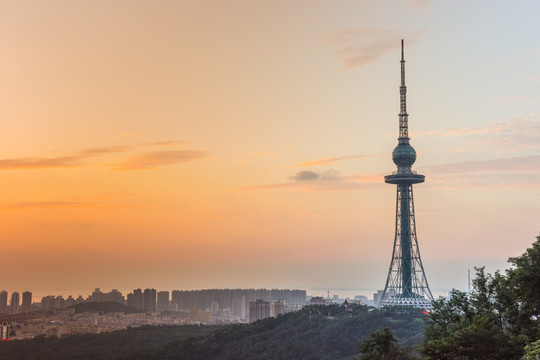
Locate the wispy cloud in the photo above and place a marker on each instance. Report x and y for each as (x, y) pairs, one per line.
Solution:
(483, 180)
(40, 163)
(56, 204)
(83, 157)
(262, 153)
(520, 99)
(515, 164)
(312, 176)
(169, 143)
(76, 159)
(519, 171)
(329, 160)
(95, 203)
(121, 136)
(359, 47)
(95, 151)
(156, 159)
(510, 135)
(323, 181)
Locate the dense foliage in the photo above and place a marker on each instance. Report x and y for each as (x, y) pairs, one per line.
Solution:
(499, 320)
(383, 345)
(106, 346)
(315, 332)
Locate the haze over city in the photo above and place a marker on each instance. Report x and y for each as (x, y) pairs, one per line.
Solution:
(238, 144)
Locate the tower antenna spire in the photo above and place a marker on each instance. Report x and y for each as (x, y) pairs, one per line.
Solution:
(403, 116)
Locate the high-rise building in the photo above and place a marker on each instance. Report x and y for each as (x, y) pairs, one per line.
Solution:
(163, 300)
(26, 301)
(70, 301)
(48, 302)
(258, 310)
(113, 296)
(239, 307)
(3, 301)
(406, 283)
(97, 296)
(214, 307)
(59, 302)
(149, 297)
(15, 302)
(278, 307)
(136, 299)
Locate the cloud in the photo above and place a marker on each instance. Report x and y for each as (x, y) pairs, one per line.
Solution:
(95, 151)
(509, 135)
(121, 136)
(520, 99)
(519, 171)
(59, 204)
(359, 47)
(328, 181)
(515, 164)
(328, 160)
(68, 161)
(45, 204)
(156, 159)
(311, 176)
(484, 180)
(169, 143)
(81, 157)
(40, 163)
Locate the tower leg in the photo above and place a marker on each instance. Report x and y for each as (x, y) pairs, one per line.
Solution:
(406, 283)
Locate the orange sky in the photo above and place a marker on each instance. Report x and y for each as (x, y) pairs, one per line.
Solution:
(196, 144)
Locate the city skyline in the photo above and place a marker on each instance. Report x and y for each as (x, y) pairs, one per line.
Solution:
(197, 145)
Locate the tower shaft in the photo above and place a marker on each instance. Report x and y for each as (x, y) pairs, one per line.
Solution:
(404, 205)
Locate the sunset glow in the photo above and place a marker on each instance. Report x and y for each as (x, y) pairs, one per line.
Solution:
(196, 144)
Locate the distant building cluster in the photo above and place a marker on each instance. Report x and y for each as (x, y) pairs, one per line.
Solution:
(56, 316)
(15, 305)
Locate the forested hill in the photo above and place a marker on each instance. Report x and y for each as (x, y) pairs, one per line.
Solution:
(315, 332)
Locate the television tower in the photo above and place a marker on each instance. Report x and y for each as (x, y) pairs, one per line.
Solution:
(406, 284)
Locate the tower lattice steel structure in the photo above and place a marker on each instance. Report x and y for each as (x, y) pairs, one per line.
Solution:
(406, 284)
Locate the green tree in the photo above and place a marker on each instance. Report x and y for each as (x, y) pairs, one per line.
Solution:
(532, 351)
(382, 345)
(471, 327)
(523, 286)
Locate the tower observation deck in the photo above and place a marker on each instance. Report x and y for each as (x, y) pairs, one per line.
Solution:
(406, 284)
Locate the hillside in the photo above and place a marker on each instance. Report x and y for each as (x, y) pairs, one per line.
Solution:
(315, 332)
